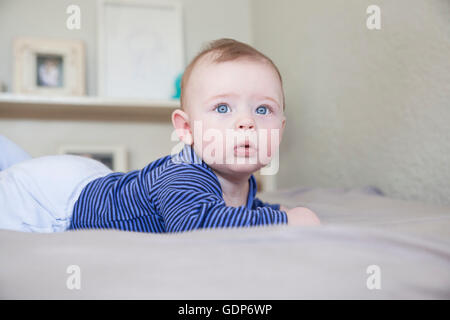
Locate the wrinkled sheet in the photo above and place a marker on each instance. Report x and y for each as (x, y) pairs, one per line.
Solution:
(408, 241)
(366, 206)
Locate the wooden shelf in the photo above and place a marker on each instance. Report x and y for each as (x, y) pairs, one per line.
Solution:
(85, 108)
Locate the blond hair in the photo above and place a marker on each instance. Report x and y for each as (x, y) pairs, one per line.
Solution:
(225, 50)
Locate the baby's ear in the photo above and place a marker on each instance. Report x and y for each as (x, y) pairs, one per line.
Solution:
(180, 121)
(283, 124)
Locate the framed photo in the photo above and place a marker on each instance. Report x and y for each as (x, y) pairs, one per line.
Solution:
(49, 67)
(140, 48)
(114, 157)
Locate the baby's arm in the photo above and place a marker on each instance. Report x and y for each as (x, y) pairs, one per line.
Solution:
(257, 203)
(298, 216)
(196, 204)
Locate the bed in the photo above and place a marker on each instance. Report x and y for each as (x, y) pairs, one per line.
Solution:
(407, 242)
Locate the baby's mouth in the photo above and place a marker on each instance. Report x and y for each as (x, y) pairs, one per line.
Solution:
(245, 149)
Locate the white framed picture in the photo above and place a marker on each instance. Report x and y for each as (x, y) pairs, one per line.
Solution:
(114, 157)
(140, 48)
(49, 67)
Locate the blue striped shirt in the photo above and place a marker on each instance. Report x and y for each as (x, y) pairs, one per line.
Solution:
(171, 194)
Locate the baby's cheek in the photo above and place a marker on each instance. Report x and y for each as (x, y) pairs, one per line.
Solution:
(270, 141)
(212, 145)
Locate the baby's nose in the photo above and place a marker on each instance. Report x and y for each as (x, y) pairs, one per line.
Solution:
(245, 124)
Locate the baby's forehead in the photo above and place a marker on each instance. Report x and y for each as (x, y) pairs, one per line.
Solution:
(200, 83)
(212, 60)
(224, 74)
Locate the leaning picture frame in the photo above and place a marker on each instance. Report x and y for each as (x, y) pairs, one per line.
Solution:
(49, 67)
(140, 48)
(114, 157)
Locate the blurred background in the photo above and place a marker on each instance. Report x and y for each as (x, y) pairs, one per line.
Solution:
(364, 106)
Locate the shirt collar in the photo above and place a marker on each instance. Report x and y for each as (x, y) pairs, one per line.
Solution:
(251, 191)
(187, 156)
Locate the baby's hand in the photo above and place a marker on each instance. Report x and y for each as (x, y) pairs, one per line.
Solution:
(300, 216)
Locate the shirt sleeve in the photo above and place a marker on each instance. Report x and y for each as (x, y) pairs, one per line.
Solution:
(259, 204)
(195, 204)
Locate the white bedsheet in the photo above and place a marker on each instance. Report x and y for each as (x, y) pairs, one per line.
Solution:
(408, 241)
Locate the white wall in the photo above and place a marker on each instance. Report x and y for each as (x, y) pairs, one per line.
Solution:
(204, 20)
(364, 107)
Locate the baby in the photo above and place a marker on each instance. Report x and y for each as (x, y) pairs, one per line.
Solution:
(228, 90)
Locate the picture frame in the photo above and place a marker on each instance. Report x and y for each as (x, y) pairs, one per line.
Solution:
(114, 157)
(140, 48)
(49, 67)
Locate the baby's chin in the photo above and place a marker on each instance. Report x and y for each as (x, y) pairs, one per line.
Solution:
(236, 168)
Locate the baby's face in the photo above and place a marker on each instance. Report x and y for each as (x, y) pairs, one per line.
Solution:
(235, 111)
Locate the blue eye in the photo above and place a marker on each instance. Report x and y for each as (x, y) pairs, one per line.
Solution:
(262, 110)
(222, 108)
